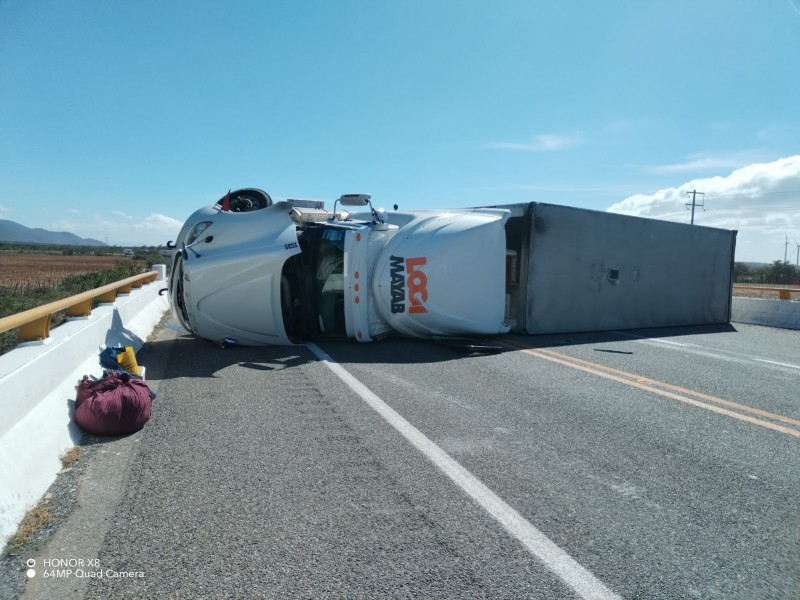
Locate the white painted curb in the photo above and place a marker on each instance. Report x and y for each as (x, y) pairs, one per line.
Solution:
(37, 391)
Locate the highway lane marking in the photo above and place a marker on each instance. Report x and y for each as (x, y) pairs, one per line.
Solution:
(683, 390)
(572, 573)
(649, 339)
(775, 362)
(662, 388)
(703, 351)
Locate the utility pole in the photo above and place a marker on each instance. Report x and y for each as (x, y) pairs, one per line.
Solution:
(694, 193)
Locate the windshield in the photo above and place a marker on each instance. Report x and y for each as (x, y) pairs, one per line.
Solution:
(312, 285)
(330, 282)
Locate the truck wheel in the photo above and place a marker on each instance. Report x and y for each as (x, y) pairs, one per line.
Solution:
(247, 200)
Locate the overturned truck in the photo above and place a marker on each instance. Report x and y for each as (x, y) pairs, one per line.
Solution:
(256, 272)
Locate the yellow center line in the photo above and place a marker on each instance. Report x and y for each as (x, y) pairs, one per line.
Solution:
(662, 388)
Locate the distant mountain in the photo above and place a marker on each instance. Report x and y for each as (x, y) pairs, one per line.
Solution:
(14, 232)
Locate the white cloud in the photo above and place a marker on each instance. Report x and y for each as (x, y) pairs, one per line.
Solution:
(4, 209)
(543, 142)
(703, 162)
(121, 229)
(761, 201)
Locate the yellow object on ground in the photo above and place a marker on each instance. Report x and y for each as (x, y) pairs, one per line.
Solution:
(127, 361)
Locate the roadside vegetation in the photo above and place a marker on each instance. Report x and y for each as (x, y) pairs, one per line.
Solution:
(70, 457)
(34, 275)
(778, 273)
(28, 537)
(34, 520)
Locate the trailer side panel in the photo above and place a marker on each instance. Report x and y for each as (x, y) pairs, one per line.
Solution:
(594, 271)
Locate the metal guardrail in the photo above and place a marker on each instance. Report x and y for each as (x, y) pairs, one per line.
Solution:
(783, 293)
(34, 324)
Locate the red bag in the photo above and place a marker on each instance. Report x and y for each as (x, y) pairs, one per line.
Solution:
(115, 405)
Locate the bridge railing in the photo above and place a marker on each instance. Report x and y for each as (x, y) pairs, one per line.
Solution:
(34, 324)
(783, 293)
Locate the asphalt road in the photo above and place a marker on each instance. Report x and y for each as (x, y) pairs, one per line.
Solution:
(657, 464)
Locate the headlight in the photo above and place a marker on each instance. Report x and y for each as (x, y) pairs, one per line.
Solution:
(197, 231)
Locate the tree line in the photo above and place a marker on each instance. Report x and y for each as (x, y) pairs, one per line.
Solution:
(139, 252)
(778, 273)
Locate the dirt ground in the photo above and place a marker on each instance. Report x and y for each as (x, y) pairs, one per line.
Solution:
(31, 270)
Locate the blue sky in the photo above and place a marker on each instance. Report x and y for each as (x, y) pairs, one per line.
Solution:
(119, 119)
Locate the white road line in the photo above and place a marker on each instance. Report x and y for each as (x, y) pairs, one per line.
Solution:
(774, 362)
(726, 355)
(583, 582)
(649, 339)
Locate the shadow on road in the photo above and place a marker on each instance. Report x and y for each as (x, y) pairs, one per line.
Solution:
(188, 356)
(605, 337)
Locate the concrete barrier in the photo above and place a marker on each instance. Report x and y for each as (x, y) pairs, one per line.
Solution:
(772, 313)
(37, 393)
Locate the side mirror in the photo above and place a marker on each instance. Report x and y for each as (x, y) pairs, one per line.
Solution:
(378, 217)
(351, 200)
(354, 199)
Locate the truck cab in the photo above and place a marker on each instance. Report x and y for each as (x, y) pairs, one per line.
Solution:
(256, 272)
